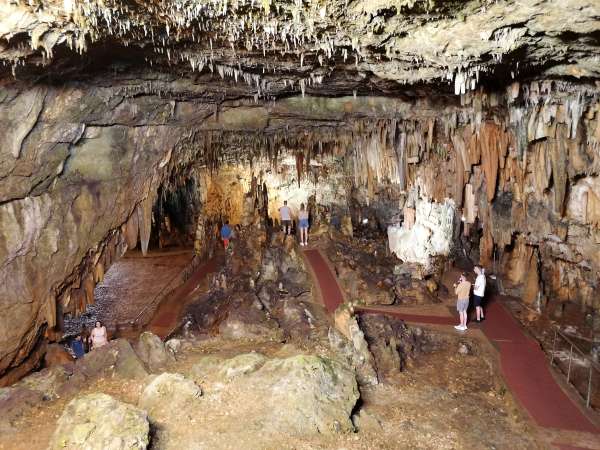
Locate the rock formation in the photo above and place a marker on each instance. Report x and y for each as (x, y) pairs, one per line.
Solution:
(106, 106)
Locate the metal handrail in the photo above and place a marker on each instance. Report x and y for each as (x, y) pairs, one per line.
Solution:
(573, 346)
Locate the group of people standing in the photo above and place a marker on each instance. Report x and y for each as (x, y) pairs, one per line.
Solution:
(285, 214)
(286, 217)
(86, 341)
(463, 293)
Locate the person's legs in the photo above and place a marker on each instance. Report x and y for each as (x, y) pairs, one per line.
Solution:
(225, 243)
(459, 326)
(463, 319)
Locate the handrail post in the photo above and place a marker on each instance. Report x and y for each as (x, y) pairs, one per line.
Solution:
(570, 359)
(589, 392)
(554, 346)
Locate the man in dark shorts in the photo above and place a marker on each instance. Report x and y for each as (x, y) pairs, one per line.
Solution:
(479, 292)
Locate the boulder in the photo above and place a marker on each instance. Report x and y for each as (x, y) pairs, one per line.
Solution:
(206, 366)
(169, 398)
(359, 357)
(366, 421)
(116, 356)
(248, 322)
(48, 382)
(153, 353)
(173, 345)
(99, 422)
(14, 402)
(242, 365)
(306, 394)
(390, 341)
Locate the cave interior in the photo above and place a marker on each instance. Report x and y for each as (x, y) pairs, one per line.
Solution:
(423, 138)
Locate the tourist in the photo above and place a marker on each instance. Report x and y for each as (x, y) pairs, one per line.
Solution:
(77, 347)
(285, 213)
(99, 336)
(462, 290)
(226, 234)
(303, 224)
(479, 292)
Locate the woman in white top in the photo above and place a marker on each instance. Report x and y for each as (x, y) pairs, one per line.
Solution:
(479, 292)
(303, 225)
(98, 336)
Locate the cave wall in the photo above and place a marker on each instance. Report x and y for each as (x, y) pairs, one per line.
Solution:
(74, 163)
(80, 166)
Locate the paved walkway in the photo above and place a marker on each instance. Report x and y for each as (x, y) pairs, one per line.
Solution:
(523, 363)
(167, 315)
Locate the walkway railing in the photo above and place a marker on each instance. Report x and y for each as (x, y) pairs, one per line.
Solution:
(173, 284)
(585, 393)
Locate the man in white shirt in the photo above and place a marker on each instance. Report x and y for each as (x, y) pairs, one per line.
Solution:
(479, 292)
(285, 213)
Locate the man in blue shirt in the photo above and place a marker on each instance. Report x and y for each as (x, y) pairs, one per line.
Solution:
(226, 234)
(77, 347)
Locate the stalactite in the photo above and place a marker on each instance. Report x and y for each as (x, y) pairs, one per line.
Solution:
(299, 163)
(131, 231)
(144, 218)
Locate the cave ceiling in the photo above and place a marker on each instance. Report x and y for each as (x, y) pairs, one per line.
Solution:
(273, 48)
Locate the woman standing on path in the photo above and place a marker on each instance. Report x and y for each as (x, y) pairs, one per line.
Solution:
(99, 336)
(462, 290)
(479, 292)
(303, 224)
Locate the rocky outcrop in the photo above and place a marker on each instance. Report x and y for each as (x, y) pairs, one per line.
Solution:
(153, 353)
(99, 422)
(170, 398)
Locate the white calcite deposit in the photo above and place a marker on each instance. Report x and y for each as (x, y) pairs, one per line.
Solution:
(431, 234)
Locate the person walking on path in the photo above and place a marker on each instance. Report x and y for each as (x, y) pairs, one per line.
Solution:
(99, 336)
(226, 234)
(462, 290)
(285, 213)
(479, 292)
(303, 224)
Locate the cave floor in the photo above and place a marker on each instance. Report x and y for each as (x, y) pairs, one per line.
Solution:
(131, 285)
(444, 400)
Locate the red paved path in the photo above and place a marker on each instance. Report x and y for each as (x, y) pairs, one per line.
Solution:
(524, 364)
(330, 291)
(167, 314)
(525, 369)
